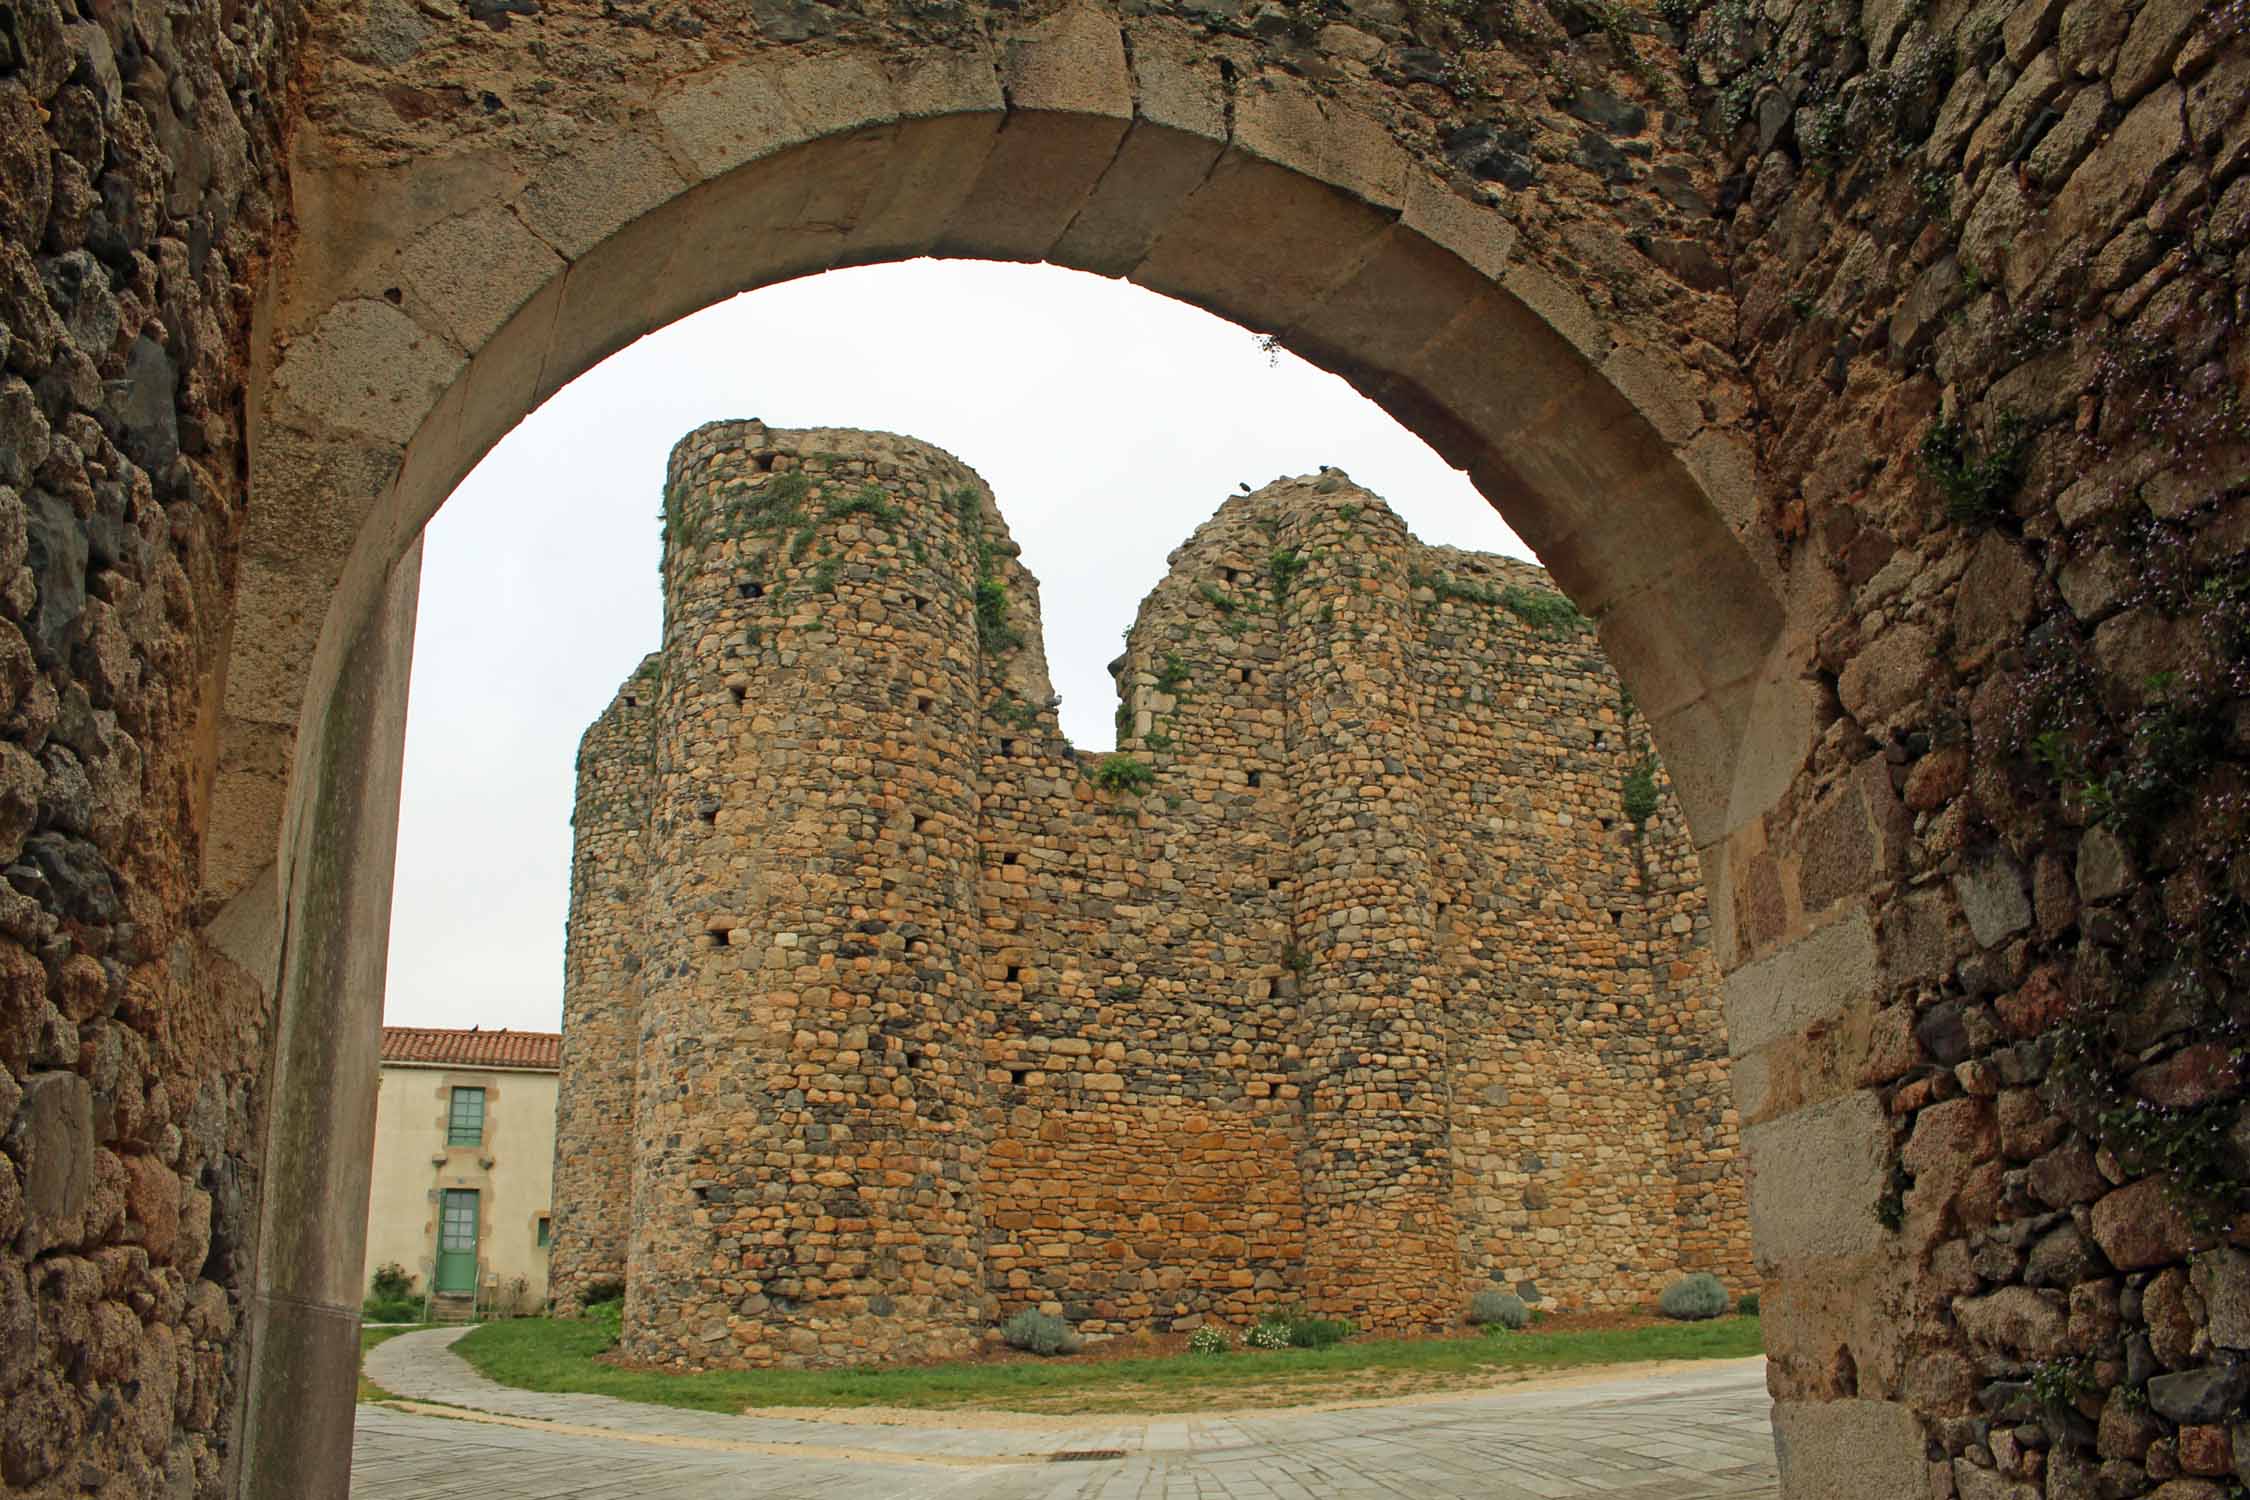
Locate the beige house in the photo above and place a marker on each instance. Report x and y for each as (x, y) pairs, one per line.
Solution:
(464, 1161)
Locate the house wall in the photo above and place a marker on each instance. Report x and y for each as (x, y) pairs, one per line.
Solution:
(510, 1172)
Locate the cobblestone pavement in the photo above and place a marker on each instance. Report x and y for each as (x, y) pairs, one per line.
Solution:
(1696, 1434)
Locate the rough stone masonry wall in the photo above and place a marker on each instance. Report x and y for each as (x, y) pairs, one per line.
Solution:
(1238, 1042)
(1588, 1078)
(1991, 262)
(602, 998)
(138, 176)
(810, 1122)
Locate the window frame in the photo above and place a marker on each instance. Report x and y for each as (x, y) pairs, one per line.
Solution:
(456, 1132)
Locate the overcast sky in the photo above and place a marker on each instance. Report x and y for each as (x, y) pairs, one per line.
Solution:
(1109, 421)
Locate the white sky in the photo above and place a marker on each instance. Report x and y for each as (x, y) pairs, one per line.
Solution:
(1109, 421)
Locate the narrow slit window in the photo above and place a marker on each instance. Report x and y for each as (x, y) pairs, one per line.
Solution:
(1015, 974)
(1009, 859)
(546, 1231)
(753, 590)
(1257, 778)
(1007, 747)
(464, 1125)
(1017, 1076)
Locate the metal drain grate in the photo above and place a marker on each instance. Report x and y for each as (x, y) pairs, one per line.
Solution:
(1084, 1455)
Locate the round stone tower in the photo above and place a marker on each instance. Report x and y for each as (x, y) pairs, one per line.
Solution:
(1381, 1238)
(811, 1120)
(593, 1186)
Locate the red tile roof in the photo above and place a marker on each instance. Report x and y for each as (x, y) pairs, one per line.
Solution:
(473, 1048)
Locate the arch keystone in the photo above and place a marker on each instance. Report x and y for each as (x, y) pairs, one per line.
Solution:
(1075, 62)
(1178, 84)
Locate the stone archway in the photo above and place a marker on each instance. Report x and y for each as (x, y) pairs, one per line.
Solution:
(422, 320)
(1870, 373)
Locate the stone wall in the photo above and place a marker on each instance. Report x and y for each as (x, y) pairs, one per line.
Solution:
(1348, 980)
(601, 996)
(1987, 952)
(138, 169)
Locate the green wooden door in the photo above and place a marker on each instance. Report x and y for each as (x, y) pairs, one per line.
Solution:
(457, 1240)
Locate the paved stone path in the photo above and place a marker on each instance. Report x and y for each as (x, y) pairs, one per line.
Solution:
(1696, 1434)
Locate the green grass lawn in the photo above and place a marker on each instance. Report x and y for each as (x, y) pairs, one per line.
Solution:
(545, 1354)
(368, 1339)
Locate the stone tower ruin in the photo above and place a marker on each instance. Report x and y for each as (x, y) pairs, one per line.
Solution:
(1371, 970)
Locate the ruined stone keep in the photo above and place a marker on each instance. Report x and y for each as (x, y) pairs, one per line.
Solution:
(1371, 969)
(1869, 372)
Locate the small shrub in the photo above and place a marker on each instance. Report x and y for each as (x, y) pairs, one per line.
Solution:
(870, 501)
(1551, 615)
(1267, 1335)
(1977, 483)
(390, 1296)
(1209, 1340)
(1039, 1333)
(1301, 1330)
(1319, 1333)
(1287, 563)
(1746, 1305)
(1639, 790)
(1122, 773)
(609, 1317)
(1493, 1306)
(1693, 1298)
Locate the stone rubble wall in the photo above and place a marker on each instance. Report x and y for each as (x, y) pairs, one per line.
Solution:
(1351, 994)
(1987, 955)
(593, 1187)
(139, 171)
(811, 1121)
